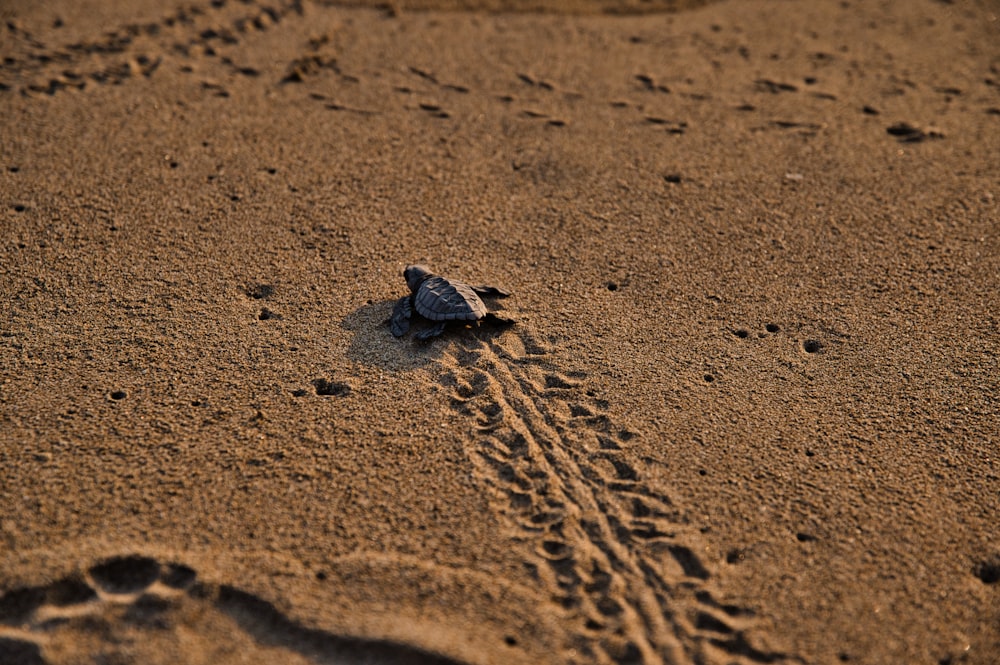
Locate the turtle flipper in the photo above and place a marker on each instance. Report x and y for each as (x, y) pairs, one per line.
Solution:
(401, 313)
(433, 331)
(490, 291)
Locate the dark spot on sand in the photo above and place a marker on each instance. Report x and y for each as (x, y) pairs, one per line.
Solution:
(907, 133)
(260, 291)
(555, 548)
(988, 571)
(902, 129)
(331, 388)
(554, 381)
(20, 651)
(812, 346)
(178, 576)
(125, 574)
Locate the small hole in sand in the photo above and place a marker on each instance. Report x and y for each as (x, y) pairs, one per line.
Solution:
(119, 394)
(510, 640)
(988, 572)
(709, 378)
(612, 286)
(742, 333)
(772, 327)
(812, 346)
(805, 537)
(20, 207)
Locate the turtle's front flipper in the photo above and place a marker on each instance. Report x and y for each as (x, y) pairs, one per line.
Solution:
(490, 291)
(401, 313)
(433, 331)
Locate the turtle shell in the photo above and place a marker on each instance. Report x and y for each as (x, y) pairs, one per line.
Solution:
(440, 299)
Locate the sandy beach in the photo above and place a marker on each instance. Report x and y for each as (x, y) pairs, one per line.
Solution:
(748, 412)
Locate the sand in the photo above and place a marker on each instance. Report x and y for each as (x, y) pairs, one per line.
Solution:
(748, 412)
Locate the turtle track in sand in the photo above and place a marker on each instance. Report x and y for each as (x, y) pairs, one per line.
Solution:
(611, 550)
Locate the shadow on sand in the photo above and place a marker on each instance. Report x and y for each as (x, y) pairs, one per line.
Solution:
(373, 345)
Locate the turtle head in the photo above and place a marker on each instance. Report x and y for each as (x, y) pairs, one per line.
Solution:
(415, 275)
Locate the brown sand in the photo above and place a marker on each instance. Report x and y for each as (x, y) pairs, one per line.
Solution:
(748, 414)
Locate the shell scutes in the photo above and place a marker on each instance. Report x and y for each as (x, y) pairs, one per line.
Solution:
(440, 299)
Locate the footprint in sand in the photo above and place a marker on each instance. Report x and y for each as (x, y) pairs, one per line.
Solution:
(135, 609)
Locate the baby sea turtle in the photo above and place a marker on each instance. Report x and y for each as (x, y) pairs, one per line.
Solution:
(440, 300)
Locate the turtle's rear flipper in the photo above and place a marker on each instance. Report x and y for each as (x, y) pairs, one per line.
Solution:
(490, 292)
(401, 313)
